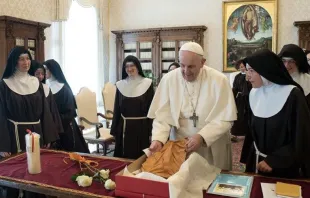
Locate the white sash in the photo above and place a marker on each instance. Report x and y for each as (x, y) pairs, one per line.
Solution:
(258, 153)
(16, 131)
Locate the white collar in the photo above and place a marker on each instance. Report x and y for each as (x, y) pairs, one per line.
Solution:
(22, 83)
(54, 84)
(269, 99)
(46, 90)
(134, 87)
(303, 80)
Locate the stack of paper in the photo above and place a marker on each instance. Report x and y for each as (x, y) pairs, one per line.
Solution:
(281, 190)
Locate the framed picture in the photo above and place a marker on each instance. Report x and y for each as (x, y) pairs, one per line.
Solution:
(248, 26)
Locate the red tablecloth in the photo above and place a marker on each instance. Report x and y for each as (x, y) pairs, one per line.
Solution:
(56, 174)
(257, 190)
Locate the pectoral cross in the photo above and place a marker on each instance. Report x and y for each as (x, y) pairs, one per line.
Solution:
(194, 117)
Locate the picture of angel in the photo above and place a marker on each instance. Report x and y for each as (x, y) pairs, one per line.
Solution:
(248, 28)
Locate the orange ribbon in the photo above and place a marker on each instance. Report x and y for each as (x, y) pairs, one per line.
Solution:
(82, 161)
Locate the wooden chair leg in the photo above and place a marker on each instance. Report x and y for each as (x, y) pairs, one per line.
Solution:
(105, 148)
(97, 148)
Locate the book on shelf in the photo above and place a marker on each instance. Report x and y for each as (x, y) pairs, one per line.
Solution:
(145, 55)
(168, 54)
(20, 42)
(130, 53)
(232, 185)
(31, 43)
(168, 44)
(145, 45)
(130, 46)
(146, 66)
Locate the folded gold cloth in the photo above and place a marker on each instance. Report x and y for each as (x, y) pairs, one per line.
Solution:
(167, 161)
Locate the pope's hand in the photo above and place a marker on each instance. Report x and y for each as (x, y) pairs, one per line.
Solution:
(156, 146)
(194, 143)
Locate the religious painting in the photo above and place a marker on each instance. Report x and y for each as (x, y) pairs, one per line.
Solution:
(248, 26)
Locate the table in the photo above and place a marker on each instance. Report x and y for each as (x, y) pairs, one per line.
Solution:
(55, 179)
(256, 191)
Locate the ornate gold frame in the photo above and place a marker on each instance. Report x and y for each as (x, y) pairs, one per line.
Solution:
(229, 6)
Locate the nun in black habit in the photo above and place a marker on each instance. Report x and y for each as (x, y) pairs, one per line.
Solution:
(38, 70)
(131, 127)
(241, 89)
(23, 106)
(280, 121)
(72, 138)
(295, 61)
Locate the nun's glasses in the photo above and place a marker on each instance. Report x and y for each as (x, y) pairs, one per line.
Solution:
(285, 61)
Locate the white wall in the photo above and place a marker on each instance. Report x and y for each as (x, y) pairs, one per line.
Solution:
(135, 14)
(34, 10)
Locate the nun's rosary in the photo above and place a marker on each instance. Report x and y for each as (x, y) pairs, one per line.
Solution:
(194, 117)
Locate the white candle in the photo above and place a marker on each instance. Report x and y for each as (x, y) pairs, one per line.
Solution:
(33, 153)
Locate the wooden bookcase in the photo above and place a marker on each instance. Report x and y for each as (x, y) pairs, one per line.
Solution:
(20, 32)
(303, 34)
(156, 48)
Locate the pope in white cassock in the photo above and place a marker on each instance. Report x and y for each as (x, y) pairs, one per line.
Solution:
(197, 101)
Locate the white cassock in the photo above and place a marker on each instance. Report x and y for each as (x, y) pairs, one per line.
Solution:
(216, 109)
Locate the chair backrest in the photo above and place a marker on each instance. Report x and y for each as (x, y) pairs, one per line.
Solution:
(108, 95)
(86, 106)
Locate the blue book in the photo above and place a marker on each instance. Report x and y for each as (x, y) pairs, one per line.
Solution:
(232, 185)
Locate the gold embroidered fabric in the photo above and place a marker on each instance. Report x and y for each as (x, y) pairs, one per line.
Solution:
(167, 161)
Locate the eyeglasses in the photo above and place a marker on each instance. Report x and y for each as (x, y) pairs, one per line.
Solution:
(289, 61)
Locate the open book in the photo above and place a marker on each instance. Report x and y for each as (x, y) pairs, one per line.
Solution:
(232, 185)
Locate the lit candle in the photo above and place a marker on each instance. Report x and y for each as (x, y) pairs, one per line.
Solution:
(33, 152)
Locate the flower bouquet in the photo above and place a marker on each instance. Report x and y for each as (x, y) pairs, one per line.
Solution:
(89, 172)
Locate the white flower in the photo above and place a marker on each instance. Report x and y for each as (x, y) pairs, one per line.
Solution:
(105, 173)
(109, 185)
(84, 180)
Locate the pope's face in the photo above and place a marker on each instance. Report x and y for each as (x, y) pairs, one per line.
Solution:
(191, 64)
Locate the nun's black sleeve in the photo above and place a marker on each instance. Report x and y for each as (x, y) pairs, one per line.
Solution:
(5, 142)
(308, 99)
(54, 112)
(116, 114)
(49, 130)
